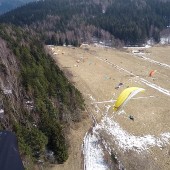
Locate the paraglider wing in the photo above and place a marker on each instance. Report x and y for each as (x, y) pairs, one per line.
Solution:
(152, 73)
(125, 96)
(9, 152)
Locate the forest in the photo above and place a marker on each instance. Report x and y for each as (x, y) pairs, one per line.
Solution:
(42, 102)
(74, 22)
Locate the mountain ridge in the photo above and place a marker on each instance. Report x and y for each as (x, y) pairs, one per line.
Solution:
(117, 20)
(6, 6)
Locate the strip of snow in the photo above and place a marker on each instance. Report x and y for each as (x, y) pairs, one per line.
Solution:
(101, 45)
(152, 85)
(50, 45)
(93, 153)
(107, 101)
(141, 56)
(127, 141)
(160, 89)
(136, 98)
(139, 47)
(97, 109)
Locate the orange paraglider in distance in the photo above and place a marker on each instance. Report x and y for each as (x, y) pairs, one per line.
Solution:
(152, 73)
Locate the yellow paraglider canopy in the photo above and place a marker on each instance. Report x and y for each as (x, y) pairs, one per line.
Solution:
(125, 96)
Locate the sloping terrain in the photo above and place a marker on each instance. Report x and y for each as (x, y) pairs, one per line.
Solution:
(6, 6)
(37, 102)
(97, 71)
(75, 21)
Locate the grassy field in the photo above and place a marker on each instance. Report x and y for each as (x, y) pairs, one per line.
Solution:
(96, 71)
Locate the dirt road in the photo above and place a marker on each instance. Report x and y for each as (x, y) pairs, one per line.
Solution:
(97, 71)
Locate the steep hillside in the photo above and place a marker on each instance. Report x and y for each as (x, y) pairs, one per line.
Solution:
(6, 6)
(77, 21)
(36, 101)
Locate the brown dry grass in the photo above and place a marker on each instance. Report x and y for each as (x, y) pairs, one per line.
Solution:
(92, 70)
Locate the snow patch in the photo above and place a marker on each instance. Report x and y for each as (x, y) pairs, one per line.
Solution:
(126, 141)
(6, 91)
(165, 40)
(93, 153)
(101, 45)
(97, 109)
(1, 113)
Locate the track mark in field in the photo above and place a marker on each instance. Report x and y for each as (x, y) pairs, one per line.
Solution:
(151, 61)
(162, 90)
(152, 85)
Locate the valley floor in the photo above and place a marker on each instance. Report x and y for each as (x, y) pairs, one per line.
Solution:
(97, 72)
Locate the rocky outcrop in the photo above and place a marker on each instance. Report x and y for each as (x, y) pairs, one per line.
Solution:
(10, 89)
